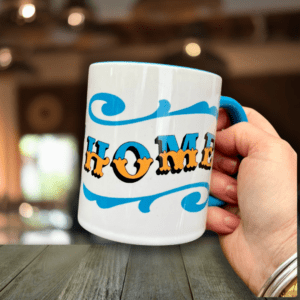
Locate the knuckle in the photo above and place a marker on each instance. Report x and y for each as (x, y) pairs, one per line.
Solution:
(241, 125)
(284, 145)
(288, 148)
(281, 147)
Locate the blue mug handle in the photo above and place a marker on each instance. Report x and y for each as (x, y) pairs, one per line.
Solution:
(236, 114)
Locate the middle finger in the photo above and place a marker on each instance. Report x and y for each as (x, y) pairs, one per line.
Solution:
(223, 187)
(225, 164)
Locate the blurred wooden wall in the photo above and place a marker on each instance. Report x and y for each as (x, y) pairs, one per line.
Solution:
(275, 97)
(10, 189)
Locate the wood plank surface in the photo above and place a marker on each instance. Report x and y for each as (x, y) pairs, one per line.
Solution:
(210, 275)
(156, 273)
(15, 258)
(46, 276)
(100, 275)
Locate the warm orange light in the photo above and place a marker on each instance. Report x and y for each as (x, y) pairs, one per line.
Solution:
(26, 210)
(3, 238)
(27, 11)
(193, 49)
(76, 18)
(3, 220)
(5, 57)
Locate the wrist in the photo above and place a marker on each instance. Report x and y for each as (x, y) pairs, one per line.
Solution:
(282, 281)
(271, 253)
(279, 248)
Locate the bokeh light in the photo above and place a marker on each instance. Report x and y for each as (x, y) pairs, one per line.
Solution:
(76, 18)
(26, 210)
(193, 49)
(27, 11)
(5, 57)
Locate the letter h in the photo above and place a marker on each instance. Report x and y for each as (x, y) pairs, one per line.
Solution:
(97, 157)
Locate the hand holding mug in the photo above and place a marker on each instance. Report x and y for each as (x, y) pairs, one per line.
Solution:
(264, 196)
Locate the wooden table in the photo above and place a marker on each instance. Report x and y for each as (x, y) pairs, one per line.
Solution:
(197, 270)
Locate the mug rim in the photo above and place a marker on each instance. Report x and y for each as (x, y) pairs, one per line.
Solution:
(155, 64)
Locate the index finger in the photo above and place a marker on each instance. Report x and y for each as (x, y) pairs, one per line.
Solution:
(258, 120)
(254, 118)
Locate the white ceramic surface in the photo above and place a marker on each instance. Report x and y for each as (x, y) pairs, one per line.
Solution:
(148, 210)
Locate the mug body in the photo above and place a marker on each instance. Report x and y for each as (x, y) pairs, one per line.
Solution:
(148, 148)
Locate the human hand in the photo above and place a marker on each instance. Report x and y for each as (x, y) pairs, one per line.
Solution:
(258, 227)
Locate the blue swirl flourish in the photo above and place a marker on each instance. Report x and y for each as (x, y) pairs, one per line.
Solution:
(189, 202)
(115, 105)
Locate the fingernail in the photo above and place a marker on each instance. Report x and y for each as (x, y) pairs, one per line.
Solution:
(231, 191)
(232, 222)
(230, 165)
(233, 163)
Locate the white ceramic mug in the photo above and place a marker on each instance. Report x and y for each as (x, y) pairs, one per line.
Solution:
(148, 148)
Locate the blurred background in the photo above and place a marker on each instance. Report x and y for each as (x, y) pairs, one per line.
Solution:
(46, 47)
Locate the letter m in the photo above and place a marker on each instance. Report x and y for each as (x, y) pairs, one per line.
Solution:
(171, 158)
